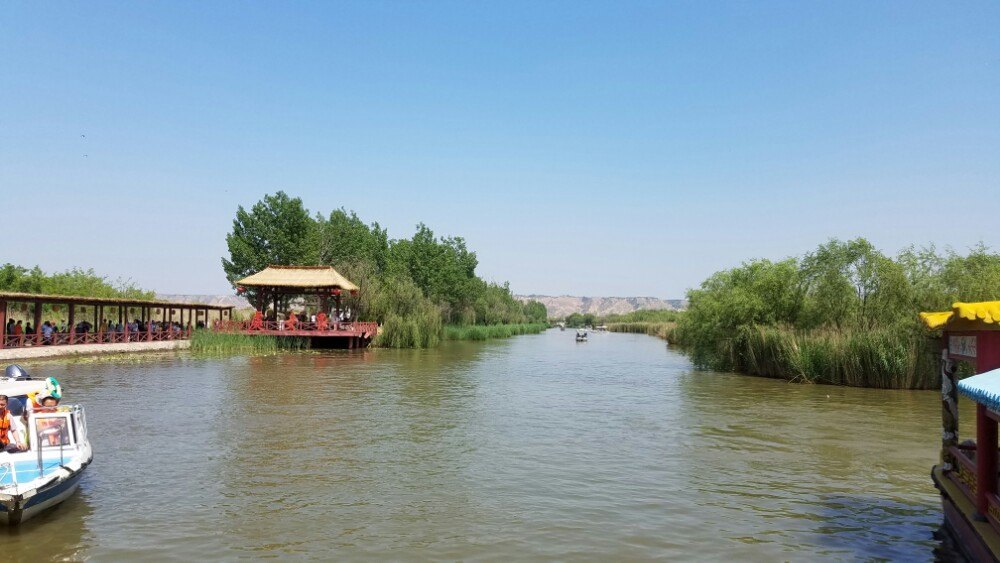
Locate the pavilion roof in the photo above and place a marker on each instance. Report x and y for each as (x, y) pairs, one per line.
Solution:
(110, 301)
(304, 277)
(965, 316)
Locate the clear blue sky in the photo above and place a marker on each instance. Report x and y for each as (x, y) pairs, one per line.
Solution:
(619, 148)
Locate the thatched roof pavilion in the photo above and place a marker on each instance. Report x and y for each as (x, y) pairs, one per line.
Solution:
(299, 278)
(274, 282)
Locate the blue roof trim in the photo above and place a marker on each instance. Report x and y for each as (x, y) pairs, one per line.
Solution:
(983, 388)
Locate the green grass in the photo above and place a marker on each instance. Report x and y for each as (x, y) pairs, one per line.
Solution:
(664, 330)
(884, 359)
(209, 342)
(488, 332)
(421, 329)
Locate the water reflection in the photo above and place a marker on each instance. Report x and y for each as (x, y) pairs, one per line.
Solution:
(57, 534)
(529, 448)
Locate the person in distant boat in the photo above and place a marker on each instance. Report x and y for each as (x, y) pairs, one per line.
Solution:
(11, 432)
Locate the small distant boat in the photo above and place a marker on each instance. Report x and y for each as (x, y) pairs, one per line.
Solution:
(581, 336)
(49, 471)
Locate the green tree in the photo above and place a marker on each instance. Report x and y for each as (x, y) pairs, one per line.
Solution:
(277, 230)
(975, 277)
(444, 269)
(758, 292)
(71, 282)
(536, 312)
(851, 284)
(345, 239)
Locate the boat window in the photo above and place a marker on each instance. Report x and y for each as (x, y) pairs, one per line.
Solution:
(52, 430)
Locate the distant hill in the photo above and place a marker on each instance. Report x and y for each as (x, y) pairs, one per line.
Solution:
(564, 305)
(223, 300)
(558, 307)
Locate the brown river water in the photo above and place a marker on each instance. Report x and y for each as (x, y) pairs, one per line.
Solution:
(533, 448)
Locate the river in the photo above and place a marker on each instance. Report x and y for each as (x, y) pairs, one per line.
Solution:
(530, 448)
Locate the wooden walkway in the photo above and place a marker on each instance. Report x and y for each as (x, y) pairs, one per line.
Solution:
(353, 334)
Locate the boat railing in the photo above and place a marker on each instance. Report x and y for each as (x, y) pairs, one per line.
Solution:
(11, 470)
(49, 432)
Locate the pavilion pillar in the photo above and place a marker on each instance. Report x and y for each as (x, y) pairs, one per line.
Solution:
(95, 316)
(3, 323)
(72, 323)
(38, 323)
(120, 315)
(986, 460)
(949, 410)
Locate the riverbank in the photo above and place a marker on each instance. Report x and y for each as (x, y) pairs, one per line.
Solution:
(880, 359)
(489, 332)
(210, 342)
(664, 330)
(34, 352)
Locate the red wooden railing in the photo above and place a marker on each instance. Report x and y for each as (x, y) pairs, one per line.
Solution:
(333, 328)
(100, 337)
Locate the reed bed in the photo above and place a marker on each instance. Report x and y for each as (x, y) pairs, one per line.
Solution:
(420, 330)
(210, 342)
(664, 330)
(488, 332)
(884, 359)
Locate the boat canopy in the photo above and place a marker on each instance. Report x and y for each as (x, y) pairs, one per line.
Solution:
(22, 387)
(968, 315)
(983, 388)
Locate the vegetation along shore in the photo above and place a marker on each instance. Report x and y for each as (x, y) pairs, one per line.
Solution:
(843, 314)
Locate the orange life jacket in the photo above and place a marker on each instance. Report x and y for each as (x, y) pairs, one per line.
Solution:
(4, 426)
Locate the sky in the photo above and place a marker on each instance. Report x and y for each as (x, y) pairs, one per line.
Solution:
(580, 148)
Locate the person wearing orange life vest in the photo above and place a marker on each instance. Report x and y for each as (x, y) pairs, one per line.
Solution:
(11, 431)
(258, 321)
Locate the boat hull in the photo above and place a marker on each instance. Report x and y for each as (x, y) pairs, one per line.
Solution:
(20, 509)
(975, 537)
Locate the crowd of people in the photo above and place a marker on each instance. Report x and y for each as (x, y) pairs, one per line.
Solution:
(299, 321)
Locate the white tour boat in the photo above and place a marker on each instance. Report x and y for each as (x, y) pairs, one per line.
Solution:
(49, 471)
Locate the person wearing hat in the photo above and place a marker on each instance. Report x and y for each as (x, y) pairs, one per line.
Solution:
(51, 394)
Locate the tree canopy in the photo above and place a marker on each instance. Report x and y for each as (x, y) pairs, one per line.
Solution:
(276, 230)
(414, 284)
(77, 282)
